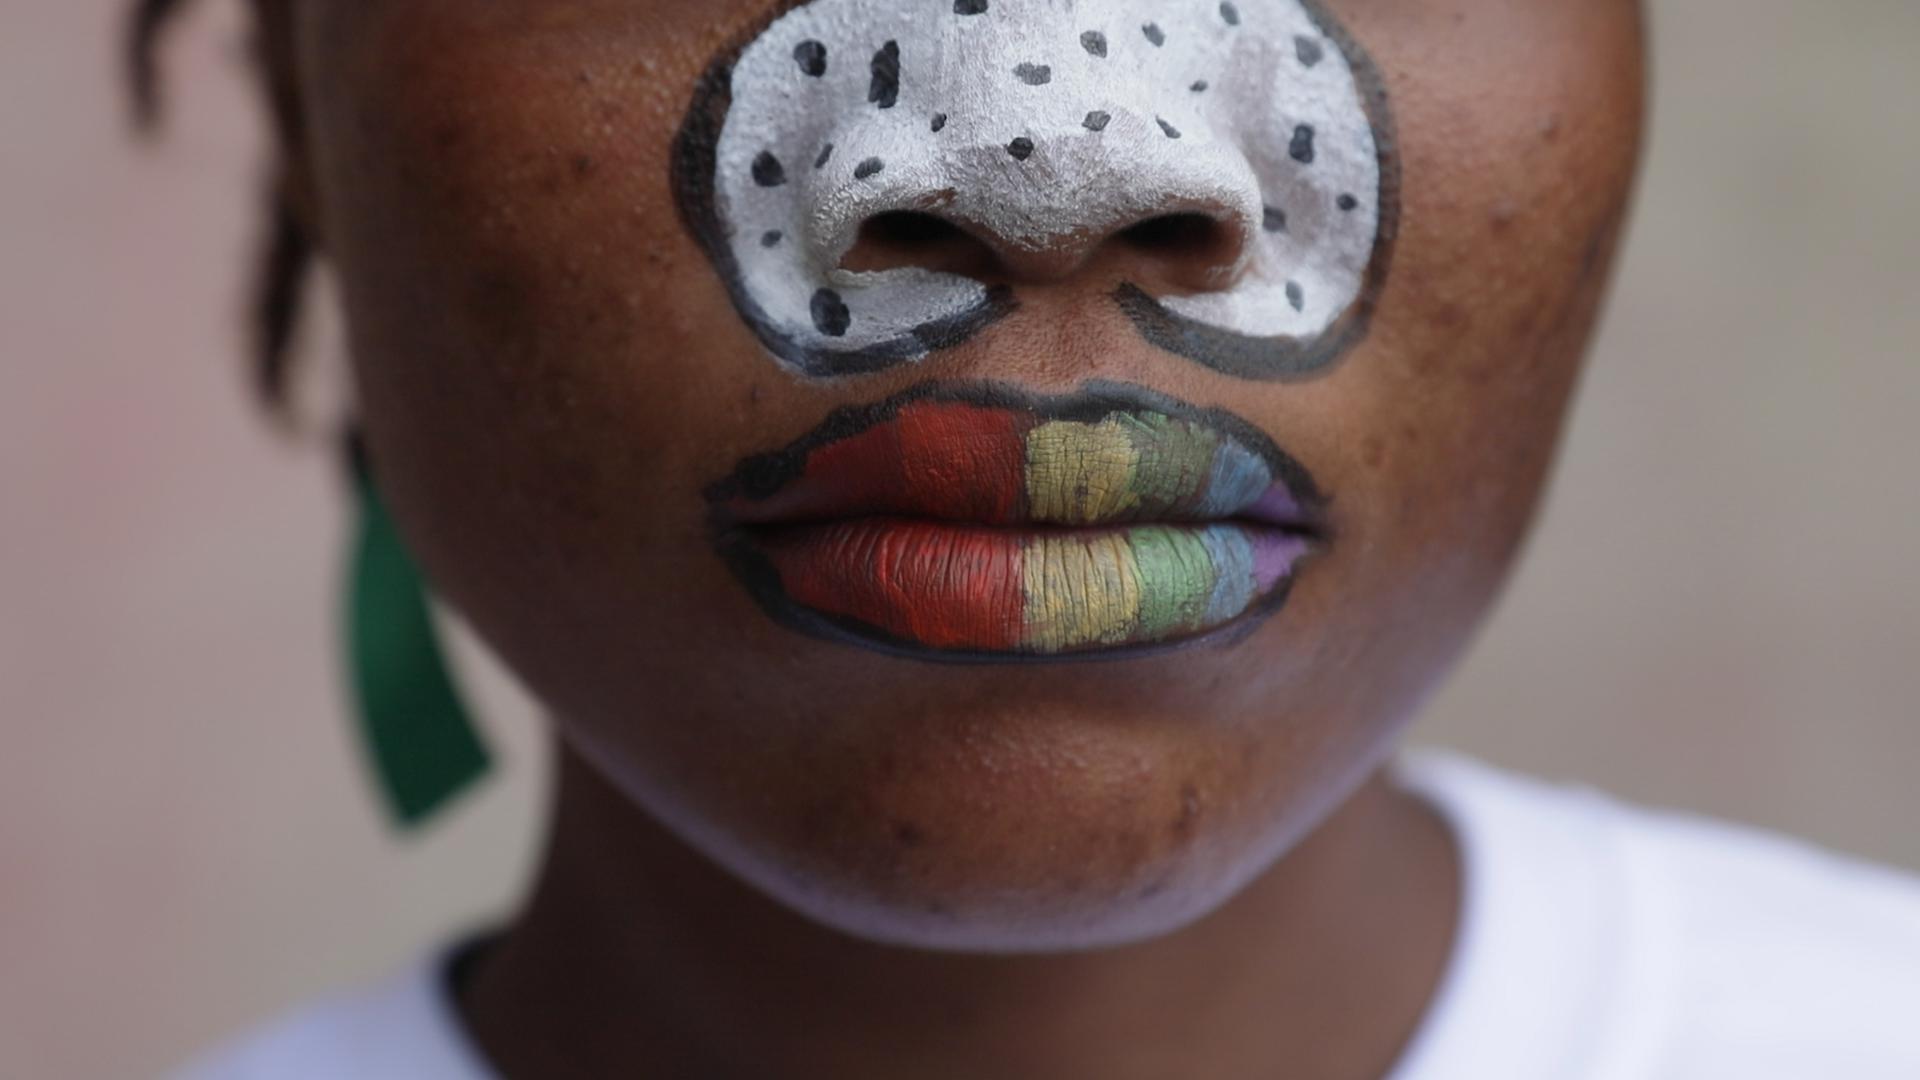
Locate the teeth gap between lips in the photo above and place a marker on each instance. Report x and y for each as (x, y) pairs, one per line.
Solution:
(1031, 527)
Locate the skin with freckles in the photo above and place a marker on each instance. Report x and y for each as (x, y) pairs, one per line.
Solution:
(778, 853)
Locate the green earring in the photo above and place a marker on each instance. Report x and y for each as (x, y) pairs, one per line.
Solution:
(423, 746)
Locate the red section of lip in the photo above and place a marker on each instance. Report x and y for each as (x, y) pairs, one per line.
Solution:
(936, 459)
(942, 586)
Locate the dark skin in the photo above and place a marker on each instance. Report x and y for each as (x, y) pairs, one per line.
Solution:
(779, 856)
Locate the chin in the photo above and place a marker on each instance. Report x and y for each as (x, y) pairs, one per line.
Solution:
(1038, 896)
(1009, 926)
(993, 830)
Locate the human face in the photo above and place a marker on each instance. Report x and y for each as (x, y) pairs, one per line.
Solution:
(1018, 525)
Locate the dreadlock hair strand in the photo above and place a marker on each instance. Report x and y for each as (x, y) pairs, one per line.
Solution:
(150, 17)
(285, 259)
(286, 252)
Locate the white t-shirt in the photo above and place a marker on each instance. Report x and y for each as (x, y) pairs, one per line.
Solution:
(1597, 941)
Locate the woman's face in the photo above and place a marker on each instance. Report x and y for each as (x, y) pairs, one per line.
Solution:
(991, 474)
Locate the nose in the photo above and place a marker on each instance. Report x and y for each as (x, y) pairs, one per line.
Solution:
(1179, 220)
(876, 181)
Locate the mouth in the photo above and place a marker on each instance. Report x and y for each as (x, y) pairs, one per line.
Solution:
(979, 522)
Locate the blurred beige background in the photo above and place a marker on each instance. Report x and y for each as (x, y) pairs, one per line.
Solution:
(1720, 610)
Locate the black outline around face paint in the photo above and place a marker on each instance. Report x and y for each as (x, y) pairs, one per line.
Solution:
(760, 476)
(1285, 357)
(694, 182)
(694, 170)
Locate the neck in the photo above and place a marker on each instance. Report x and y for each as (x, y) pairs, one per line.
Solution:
(637, 956)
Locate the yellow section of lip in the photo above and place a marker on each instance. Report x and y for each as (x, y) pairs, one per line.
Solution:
(1080, 592)
(1081, 473)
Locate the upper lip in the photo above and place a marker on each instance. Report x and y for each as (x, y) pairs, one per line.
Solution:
(994, 455)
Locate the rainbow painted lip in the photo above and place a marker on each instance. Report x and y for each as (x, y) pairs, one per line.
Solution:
(975, 521)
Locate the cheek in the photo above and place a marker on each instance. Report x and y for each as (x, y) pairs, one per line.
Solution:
(534, 338)
(1518, 154)
(502, 190)
(516, 278)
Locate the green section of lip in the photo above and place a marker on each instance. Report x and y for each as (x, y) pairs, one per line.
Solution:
(1175, 460)
(1176, 578)
(1130, 466)
(1144, 583)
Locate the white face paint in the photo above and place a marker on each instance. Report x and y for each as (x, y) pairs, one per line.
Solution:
(1041, 123)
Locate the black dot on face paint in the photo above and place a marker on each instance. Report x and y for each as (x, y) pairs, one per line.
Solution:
(1094, 42)
(1273, 219)
(1308, 50)
(885, 88)
(1155, 34)
(939, 120)
(1347, 203)
(1198, 86)
(1096, 121)
(869, 167)
(1296, 296)
(770, 238)
(1021, 148)
(825, 153)
(767, 170)
(1230, 13)
(812, 57)
(1171, 131)
(969, 7)
(1034, 74)
(830, 314)
(1302, 147)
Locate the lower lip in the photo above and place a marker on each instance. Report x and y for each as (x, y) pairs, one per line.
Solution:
(938, 586)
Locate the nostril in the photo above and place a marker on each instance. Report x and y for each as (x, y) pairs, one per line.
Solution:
(1189, 235)
(903, 238)
(1183, 251)
(909, 229)
(1188, 251)
(1169, 232)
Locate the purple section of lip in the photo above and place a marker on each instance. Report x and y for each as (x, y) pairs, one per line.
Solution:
(1274, 554)
(1277, 507)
